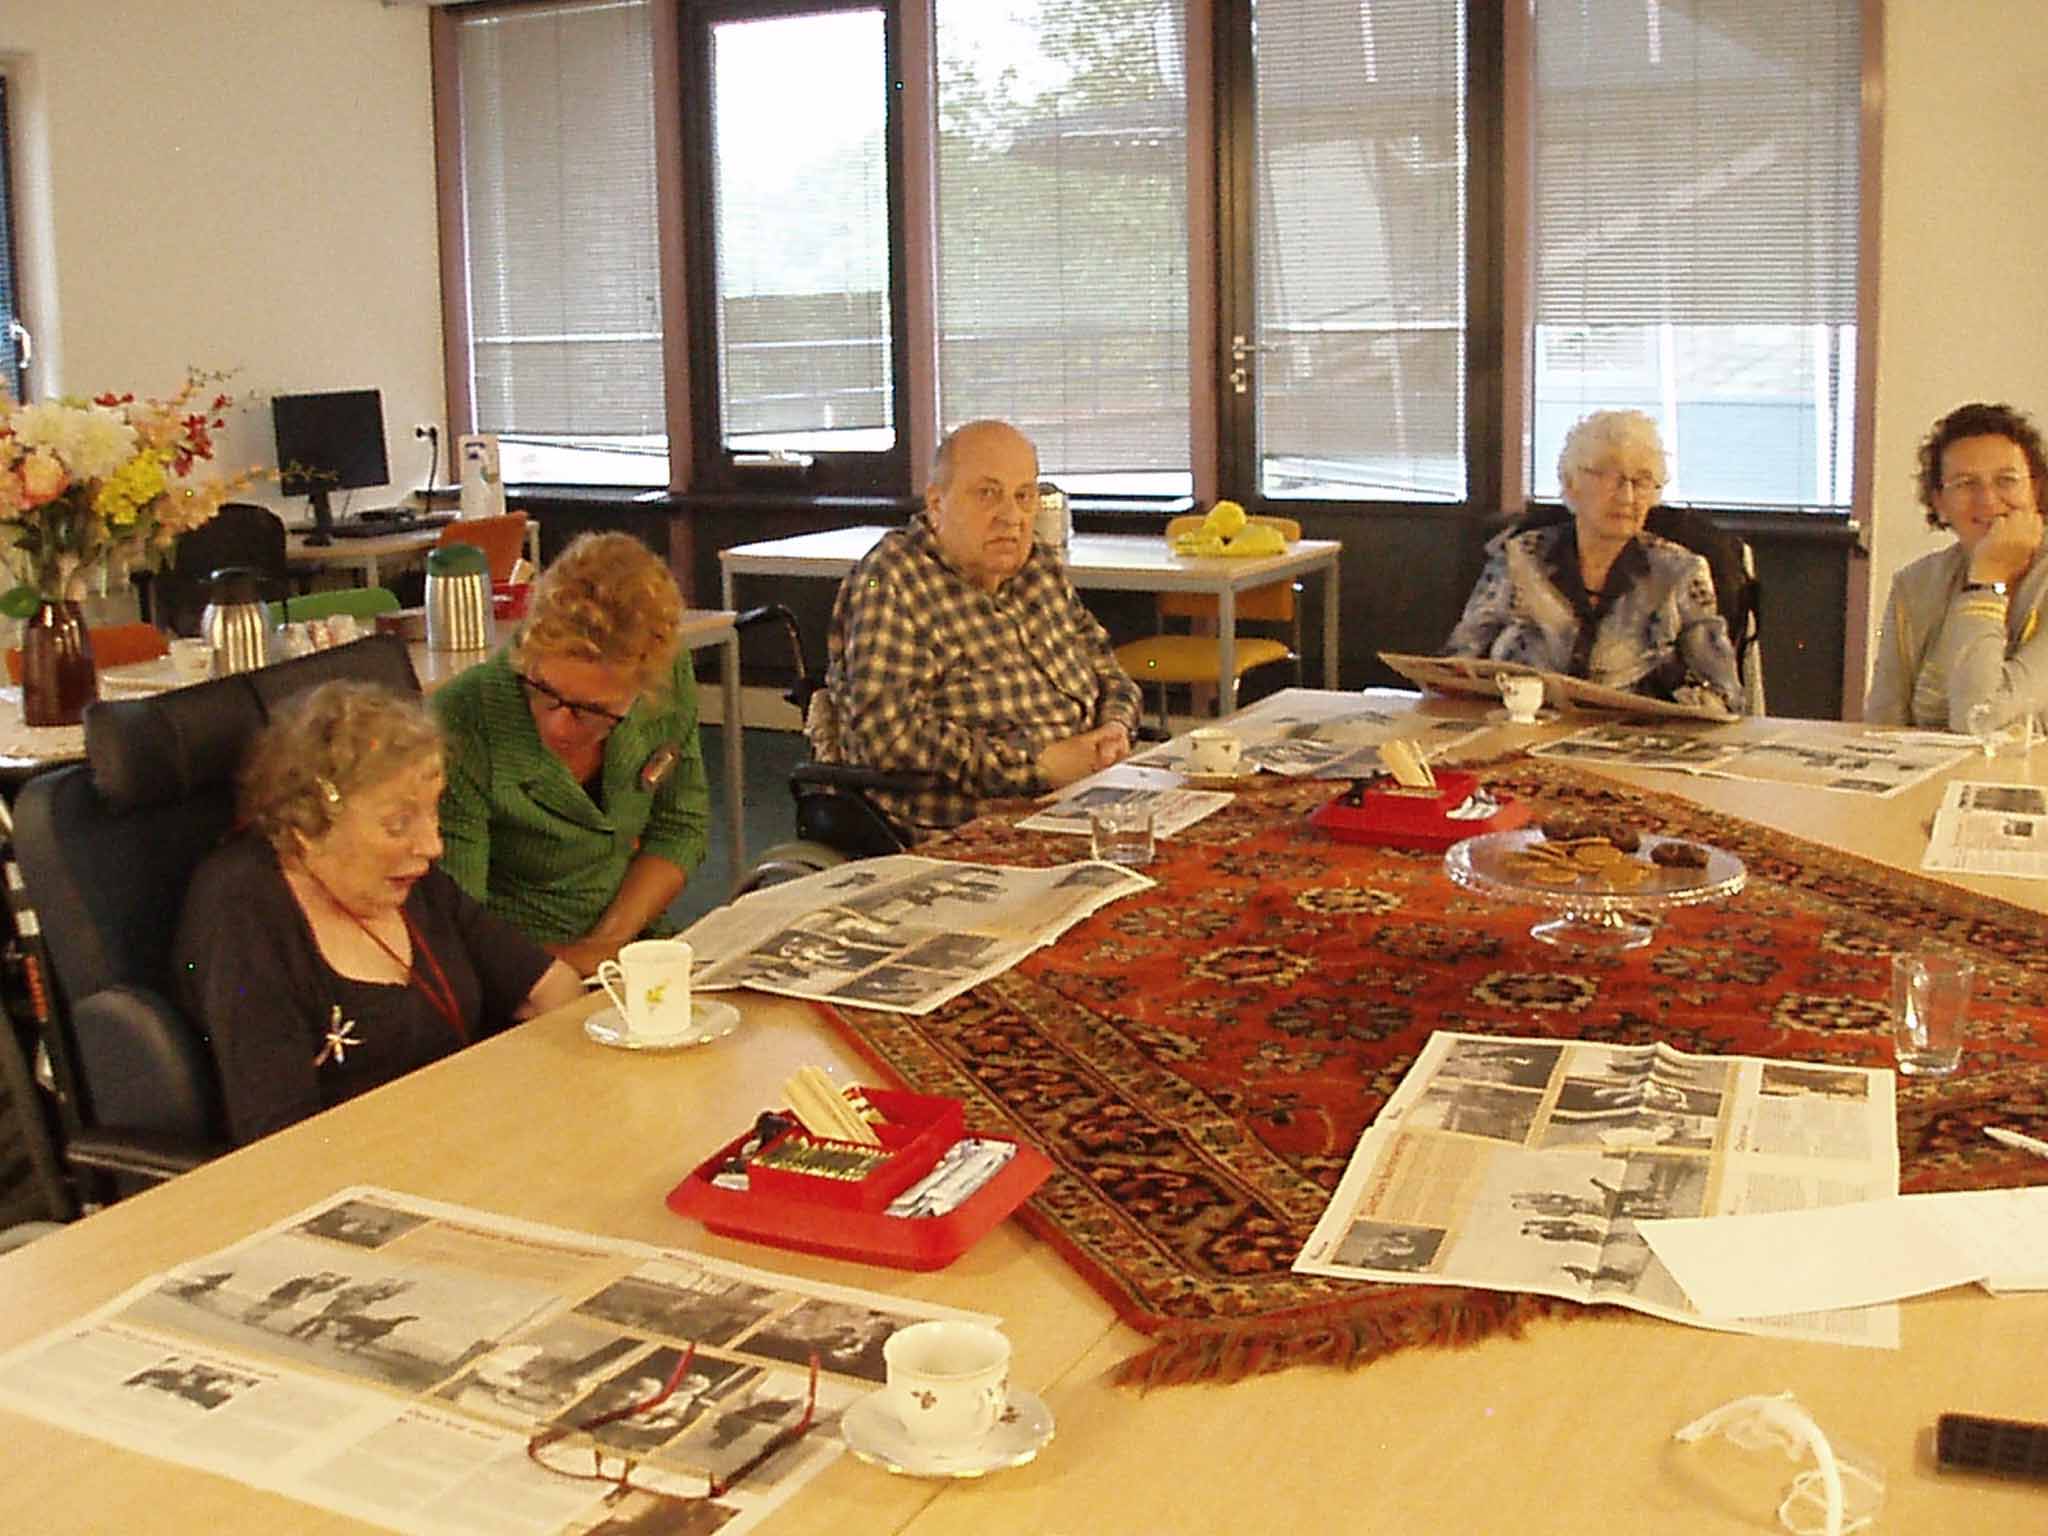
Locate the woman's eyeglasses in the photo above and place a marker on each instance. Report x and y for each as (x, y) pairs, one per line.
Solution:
(1646, 487)
(584, 714)
(2006, 485)
(547, 1450)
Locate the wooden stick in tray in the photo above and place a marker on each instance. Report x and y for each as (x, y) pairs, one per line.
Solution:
(824, 1112)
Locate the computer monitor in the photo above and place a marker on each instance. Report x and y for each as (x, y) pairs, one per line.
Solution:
(329, 442)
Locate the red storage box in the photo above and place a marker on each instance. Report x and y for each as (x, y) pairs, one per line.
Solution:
(509, 599)
(847, 1220)
(1388, 816)
(919, 1127)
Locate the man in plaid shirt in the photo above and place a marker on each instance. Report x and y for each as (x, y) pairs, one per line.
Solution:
(959, 648)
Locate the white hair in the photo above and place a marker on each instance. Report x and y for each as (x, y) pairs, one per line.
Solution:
(1610, 432)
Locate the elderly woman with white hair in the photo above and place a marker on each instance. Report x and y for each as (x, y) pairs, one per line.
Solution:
(1599, 597)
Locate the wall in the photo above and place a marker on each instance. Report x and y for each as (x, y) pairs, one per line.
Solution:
(243, 184)
(1963, 306)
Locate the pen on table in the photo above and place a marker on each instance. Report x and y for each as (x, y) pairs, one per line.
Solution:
(2031, 1144)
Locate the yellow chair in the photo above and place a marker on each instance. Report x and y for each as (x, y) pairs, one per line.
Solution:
(1189, 660)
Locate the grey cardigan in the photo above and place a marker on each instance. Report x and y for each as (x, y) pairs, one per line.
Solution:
(1942, 650)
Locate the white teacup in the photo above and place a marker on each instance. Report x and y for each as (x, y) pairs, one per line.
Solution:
(649, 984)
(1213, 749)
(948, 1381)
(191, 658)
(1523, 696)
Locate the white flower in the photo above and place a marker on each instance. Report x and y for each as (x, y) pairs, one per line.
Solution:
(92, 440)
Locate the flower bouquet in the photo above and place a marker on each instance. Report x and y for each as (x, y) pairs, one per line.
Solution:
(89, 489)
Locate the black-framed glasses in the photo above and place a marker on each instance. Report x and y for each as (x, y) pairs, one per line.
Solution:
(582, 712)
(1646, 486)
(547, 1449)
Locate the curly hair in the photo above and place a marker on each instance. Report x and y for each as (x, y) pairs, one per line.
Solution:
(326, 744)
(1977, 419)
(1609, 432)
(609, 599)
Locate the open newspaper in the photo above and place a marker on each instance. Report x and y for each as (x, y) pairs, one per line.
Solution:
(1480, 677)
(1816, 756)
(1174, 809)
(1325, 734)
(1990, 829)
(1518, 1164)
(901, 933)
(390, 1358)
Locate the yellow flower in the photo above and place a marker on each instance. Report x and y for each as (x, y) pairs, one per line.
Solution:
(124, 493)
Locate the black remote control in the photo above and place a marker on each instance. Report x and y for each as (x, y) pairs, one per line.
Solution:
(2008, 1447)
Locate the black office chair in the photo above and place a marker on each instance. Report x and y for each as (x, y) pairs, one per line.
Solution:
(106, 848)
(836, 817)
(241, 535)
(1736, 588)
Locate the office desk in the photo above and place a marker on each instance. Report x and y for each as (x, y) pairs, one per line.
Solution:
(1565, 1430)
(1111, 562)
(367, 558)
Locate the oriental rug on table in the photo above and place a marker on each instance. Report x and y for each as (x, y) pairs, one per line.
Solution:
(1199, 1061)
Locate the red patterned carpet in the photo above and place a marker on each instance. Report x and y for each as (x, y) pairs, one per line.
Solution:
(1199, 1061)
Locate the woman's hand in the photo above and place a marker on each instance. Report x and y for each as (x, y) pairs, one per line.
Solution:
(2008, 546)
(557, 985)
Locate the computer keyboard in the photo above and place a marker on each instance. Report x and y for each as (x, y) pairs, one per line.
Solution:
(353, 529)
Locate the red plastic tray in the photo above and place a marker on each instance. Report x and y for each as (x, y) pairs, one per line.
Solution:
(782, 1218)
(1397, 818)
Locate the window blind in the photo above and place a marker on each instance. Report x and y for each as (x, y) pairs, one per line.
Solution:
(1359, 197)
(13, 366)
(1062, 233)
(558, 187)
(1696, 202)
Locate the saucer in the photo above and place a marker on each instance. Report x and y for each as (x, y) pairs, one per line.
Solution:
(874, 1434)
(709, 1020)
(1499, 714)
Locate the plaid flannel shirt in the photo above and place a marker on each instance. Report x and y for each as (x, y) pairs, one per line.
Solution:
(929, 672)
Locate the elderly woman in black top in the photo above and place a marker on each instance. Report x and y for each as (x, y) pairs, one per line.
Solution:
(320, 948)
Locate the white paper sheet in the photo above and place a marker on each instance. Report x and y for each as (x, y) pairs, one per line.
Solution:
(1855, 1255)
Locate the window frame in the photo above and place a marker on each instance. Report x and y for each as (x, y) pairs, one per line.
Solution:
(886, 472)
(18, 343)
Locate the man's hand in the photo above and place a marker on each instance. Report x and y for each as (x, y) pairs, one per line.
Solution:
(1060, 763)
(2005, 552)
(584, 955)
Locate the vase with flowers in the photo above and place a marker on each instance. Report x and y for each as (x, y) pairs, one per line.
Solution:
(91, 489)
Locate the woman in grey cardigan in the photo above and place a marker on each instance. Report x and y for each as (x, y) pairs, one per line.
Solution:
(1962, 627)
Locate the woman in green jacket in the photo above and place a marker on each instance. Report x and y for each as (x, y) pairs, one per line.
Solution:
(576, 802)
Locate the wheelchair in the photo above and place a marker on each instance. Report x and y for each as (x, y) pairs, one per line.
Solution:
(836, 819)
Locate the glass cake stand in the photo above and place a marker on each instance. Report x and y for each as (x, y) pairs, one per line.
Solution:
(1591, 914)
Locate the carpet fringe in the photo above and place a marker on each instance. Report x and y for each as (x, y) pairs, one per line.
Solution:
(1345, 1335)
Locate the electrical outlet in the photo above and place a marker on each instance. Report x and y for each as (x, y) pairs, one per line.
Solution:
(426, 429)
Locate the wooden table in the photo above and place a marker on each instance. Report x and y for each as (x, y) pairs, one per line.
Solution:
(1117, 562)
(1566, 1430)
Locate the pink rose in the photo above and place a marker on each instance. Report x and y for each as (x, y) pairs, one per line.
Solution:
(42, 478)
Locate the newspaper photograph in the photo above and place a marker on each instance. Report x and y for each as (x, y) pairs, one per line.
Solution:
(1879, 765)
(1990, 829)
(429, 1368)
(902, 933)
(1314, 733)
(1174, 809)
(1480, 677)
(1523, 1164)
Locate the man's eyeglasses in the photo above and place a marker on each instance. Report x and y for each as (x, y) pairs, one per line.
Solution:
(2007, 485)
(1646, 487)
(546, 1449)
(584, 714)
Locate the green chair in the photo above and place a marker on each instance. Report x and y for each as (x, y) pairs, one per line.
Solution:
(356, 602)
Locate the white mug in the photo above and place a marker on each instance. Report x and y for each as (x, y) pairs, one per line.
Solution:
(948, 1381)
(191, 659)
(649, 984)
(1212, 749)
(1523, 696)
